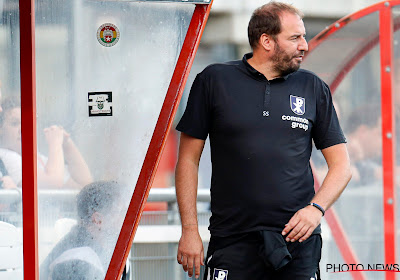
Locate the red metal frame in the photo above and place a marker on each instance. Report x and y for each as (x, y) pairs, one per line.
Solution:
(356, 57)
(28, 107)
(388, 124)
(28, 132)
(317, 40)
(388, 136)
(158, 141)
(340, 237)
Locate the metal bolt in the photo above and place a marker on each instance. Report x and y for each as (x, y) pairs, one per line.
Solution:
(337, 25)
(387, 69)
(389, 135)
(390, 201)
(386, 4)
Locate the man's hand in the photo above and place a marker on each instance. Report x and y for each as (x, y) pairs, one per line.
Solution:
(302, 224)
(54, 135)
(190, 251)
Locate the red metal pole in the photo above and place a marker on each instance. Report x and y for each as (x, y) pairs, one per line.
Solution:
(340, 237)
(158, 141)
(28, 131)
(388, 135)
(388, 127)
(341, 23)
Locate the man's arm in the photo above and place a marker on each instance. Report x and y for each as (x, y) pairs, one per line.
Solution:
(78, 169)
(190, 248)
(303, 223)
(52, 175)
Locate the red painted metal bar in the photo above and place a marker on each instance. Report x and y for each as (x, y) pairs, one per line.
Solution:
(354, 59)
(158, 140)
(340, 237)
(323, 35)
(333, 221)
(357, 56)
(28, 132)
(388, 136)
(342, 241)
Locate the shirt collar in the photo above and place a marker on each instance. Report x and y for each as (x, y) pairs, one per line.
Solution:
(253, 71)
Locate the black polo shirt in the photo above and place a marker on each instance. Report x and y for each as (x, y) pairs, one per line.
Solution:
(261, 138)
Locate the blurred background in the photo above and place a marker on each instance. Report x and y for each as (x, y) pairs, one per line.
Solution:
(70, 63)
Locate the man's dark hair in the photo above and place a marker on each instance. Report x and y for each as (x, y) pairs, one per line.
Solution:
(8, 104)
(98, 197)
(266, 19)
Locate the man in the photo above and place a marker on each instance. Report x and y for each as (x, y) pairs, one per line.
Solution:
(261, 114)
(63, 167)
(365, 145)
(84, 253)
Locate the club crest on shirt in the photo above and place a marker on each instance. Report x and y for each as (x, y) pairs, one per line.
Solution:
(220, 274)
(298, 105)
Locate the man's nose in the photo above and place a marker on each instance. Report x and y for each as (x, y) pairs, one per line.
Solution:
(303, 46)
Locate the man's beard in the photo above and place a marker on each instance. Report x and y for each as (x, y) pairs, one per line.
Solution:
(283, 62)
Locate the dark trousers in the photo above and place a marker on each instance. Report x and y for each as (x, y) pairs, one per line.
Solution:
(244, 260)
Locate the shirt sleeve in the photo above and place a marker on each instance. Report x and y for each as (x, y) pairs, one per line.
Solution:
(196, 118)
(327, 131)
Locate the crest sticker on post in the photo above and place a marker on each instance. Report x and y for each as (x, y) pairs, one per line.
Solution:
(220, 274)
(108, 34)
(100, 103)
(298, 104)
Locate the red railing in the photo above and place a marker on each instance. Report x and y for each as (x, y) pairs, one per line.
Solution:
(388, 136)
(28, 138)
(385, 38)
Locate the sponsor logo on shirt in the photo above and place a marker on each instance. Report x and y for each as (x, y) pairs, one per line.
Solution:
(220, 274)
(297, 122)
(298, 105)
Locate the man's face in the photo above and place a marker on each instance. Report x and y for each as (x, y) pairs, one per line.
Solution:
(112, 216)
(1, 99)
(110, 226)
(11, 130)
(290, 45)
(371, 140)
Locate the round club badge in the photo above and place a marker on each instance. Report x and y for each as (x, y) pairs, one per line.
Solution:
(108, 34)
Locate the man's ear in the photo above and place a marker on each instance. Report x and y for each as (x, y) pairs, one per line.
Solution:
(266, 42)
(97, 218)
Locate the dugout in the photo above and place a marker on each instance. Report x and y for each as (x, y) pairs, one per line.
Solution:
(111, 73)
(358, 57)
